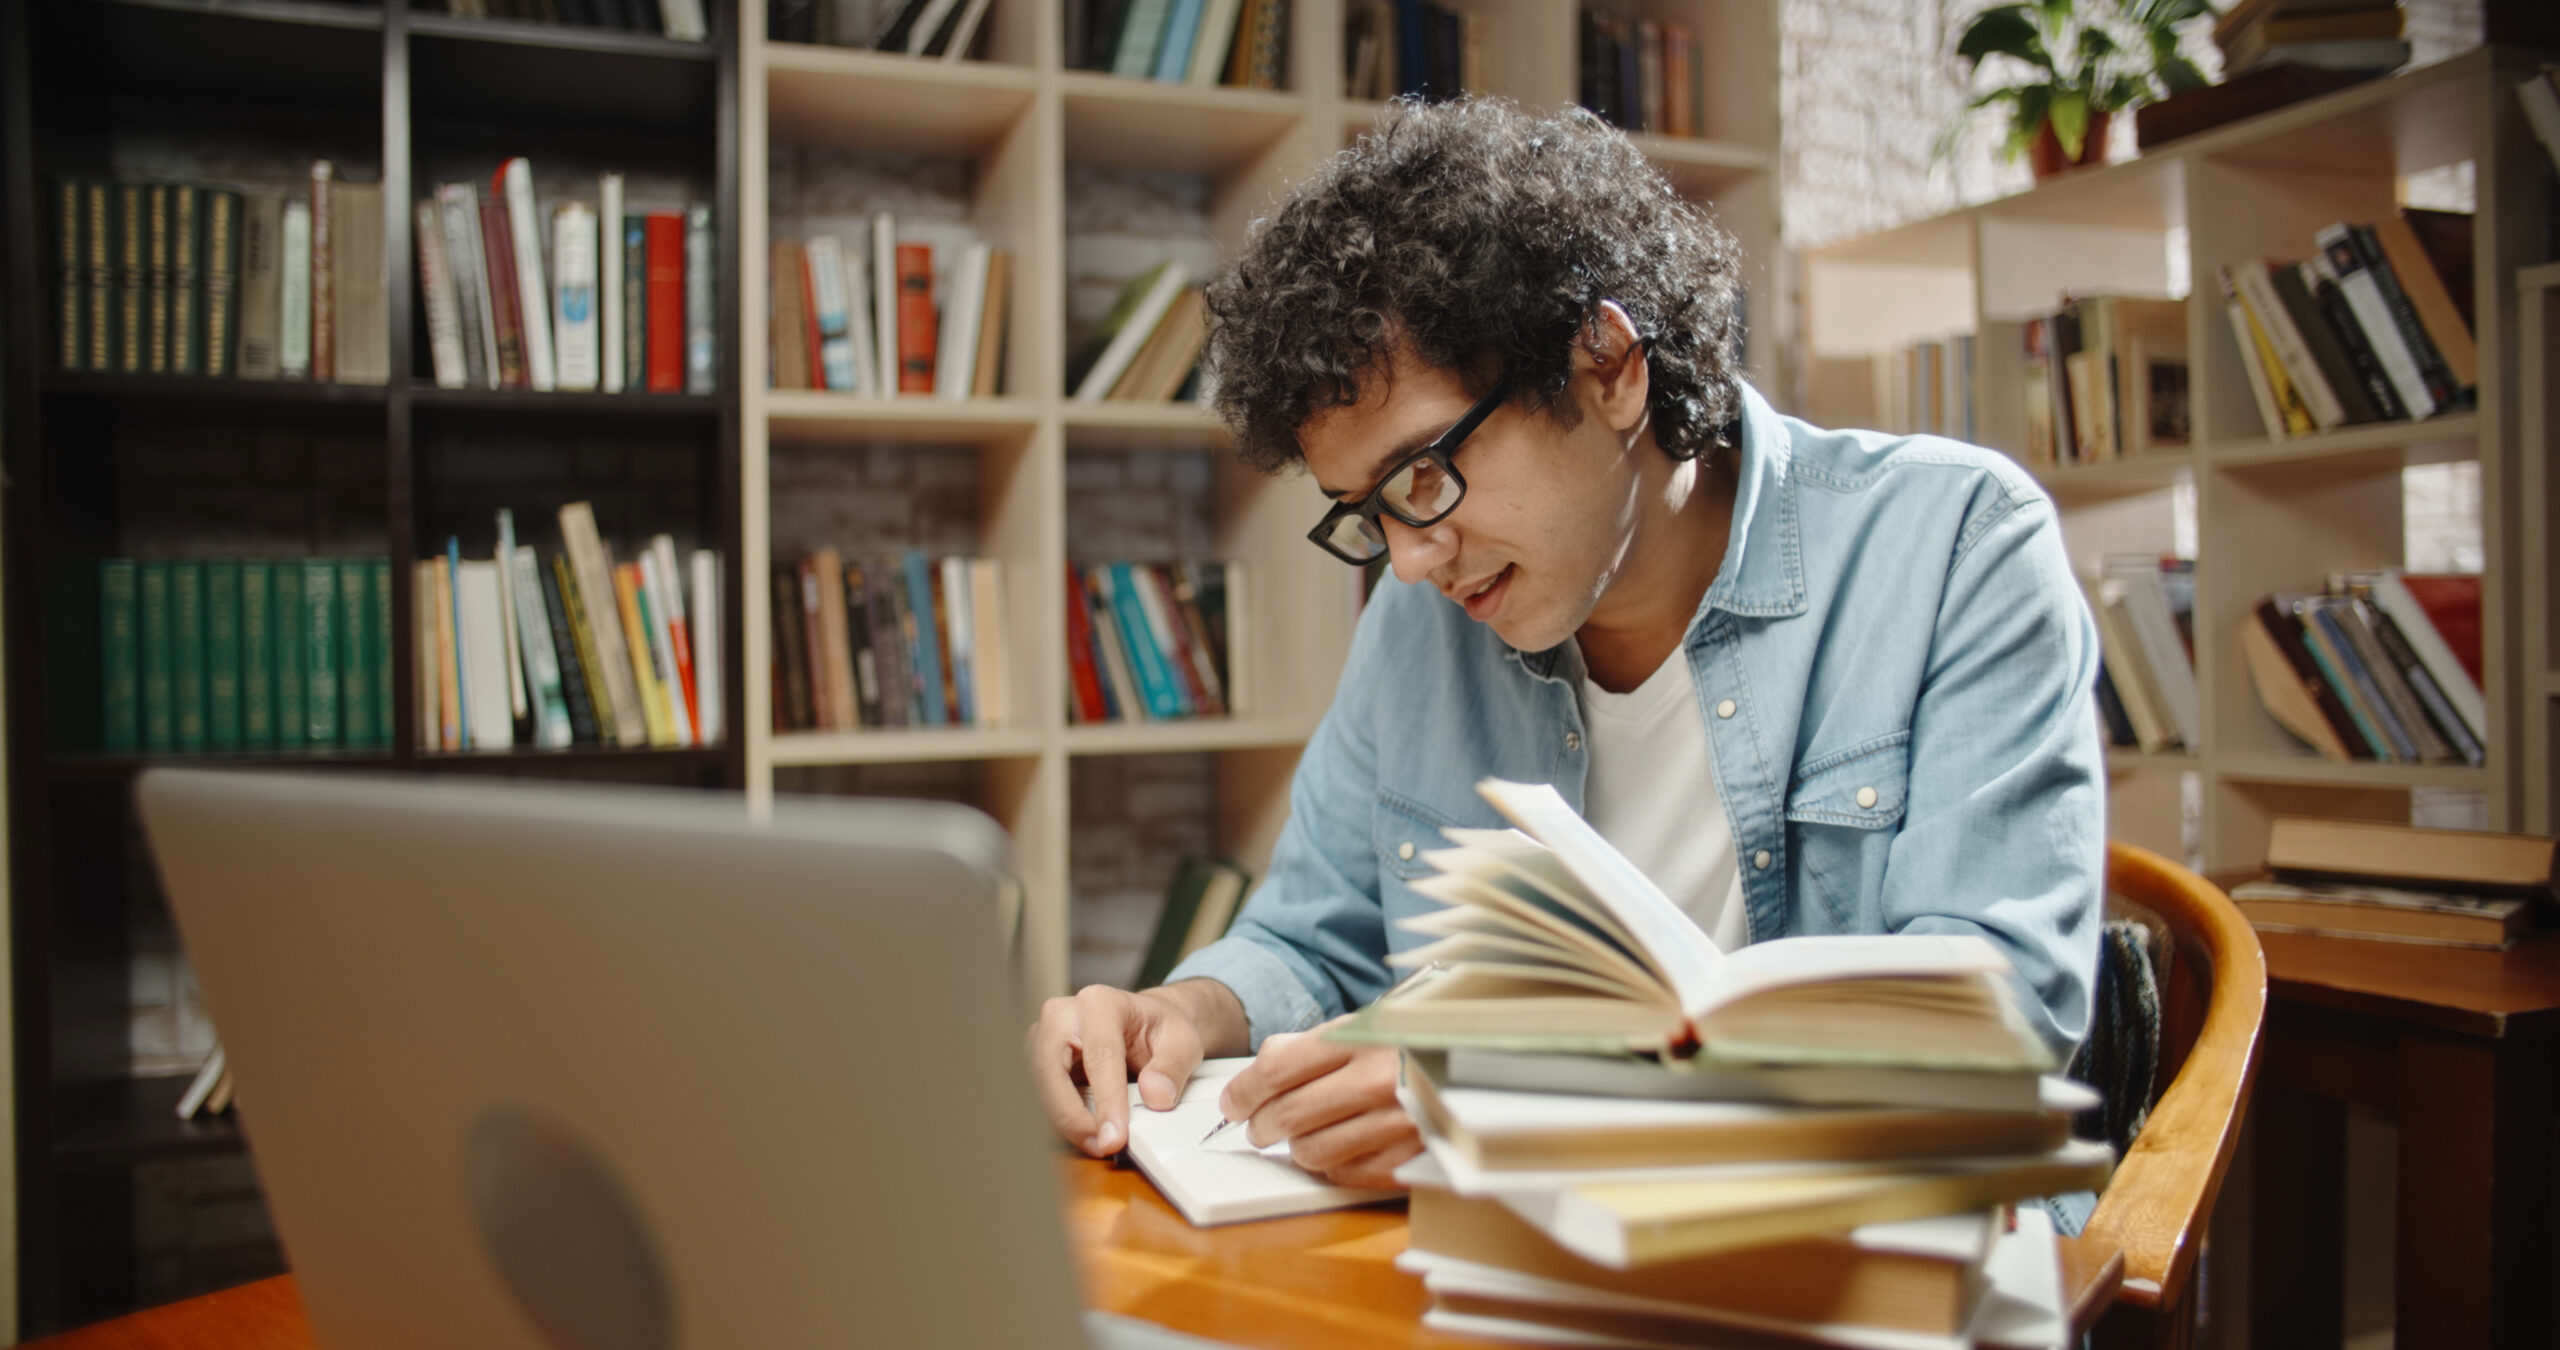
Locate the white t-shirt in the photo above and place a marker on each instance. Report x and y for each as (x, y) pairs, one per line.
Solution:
(1651, 792)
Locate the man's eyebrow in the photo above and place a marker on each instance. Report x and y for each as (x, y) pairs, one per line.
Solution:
(1389, 456)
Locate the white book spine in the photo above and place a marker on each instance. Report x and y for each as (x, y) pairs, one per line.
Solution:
(2373, 315)
(824, 258)
(293, 347)
(884, 300)
(1239, 631)
(2301, 369)
(671, 612)
(701, 325)
(573, 255)
(920, 33)
(705, 613)
(662, 650)
(1133, 334)
(551, 728)
(517, 704)
(986, 630)
(2269, 413)
(444, 301)
(859, 318)
(955, 369)
(2433, 652)
(1217, 38)
(956, 615)
(966, 30)
(484, 654)
(609, 281)
(683, 20)
(198, 1091)
(1160, 624)
(458, 210)
(533, 289)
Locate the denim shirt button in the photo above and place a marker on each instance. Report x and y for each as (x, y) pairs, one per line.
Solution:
(1760, 860)
(1725, 709)
(1405, 850)
(1867, 797)
(1573, 740)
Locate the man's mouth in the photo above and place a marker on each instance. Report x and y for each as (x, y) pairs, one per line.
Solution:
(1483, 598)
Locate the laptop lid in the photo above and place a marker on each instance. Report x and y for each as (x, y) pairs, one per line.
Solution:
(580, 1068)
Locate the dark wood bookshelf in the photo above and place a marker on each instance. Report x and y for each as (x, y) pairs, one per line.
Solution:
(106, 464)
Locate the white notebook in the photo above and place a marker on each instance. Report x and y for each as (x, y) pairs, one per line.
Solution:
(1227, 1179)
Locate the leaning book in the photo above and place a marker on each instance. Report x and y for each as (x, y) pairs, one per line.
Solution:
(1550, 940)
(2391, 914)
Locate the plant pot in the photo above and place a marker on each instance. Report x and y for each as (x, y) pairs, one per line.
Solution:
(2045, 155)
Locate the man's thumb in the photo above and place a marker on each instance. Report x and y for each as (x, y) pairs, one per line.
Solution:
(1159, 1089)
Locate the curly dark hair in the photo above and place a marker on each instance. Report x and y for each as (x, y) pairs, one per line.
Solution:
(1483, 237)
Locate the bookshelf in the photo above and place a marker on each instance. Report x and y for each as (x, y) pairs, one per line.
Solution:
(2270, 514)
(1039, 143)
(2538, 513)
(247, 92)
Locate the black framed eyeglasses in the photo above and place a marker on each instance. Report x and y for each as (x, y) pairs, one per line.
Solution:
(1420, 490)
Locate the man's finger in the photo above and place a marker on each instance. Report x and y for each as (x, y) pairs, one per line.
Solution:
(1172, 1055)
(1102, 1015)
(1345, 1142)
(1377, 1170)
(1284, 1064)
(1051, 1045)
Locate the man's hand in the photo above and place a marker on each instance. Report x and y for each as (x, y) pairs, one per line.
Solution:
(1098, 1038)
(1335, 1104)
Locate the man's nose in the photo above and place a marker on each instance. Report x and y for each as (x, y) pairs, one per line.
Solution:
(1417, 553)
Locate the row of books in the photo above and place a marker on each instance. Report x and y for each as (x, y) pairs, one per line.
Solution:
(891, 641)
(226, 655)
(1926, 388)
(2145, 612)
(870, 321)
(2106, 377)
(1416, 47)
(577, 649)
(1147, 347)
(585, 297)
(2365, 330)
(936, 29)
(1643, 74)
(2385, 883)
(1242, 43)
(2382, 666)
(1630, 1137)
(1152, 641)
(679, 19)
(2359, 35)
(167, 278)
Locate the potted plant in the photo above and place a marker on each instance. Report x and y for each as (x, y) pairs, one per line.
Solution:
(2085, 60)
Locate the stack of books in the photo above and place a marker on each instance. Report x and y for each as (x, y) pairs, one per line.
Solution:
(1634, 1138)
(2392, 883)
(1643, 74)
(1411, 47)
(890, 641)
(941, 30)
(2145, 610)
(2349, 35)
(1152, 641)
(2106, 377)
(200, 279)
(679, 19)
(872, 321)
(2382, 665)
(1147, 347)
(228, 655)
(1241, 43)
(587, 296)
(2365, 330)
(518, 650)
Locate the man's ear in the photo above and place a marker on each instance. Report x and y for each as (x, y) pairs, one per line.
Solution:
(1609, 350)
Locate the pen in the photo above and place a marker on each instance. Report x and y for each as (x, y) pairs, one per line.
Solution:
(1416, 975)
(1220, 1128)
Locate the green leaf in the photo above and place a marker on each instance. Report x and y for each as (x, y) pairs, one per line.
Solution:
(2028, 117)
(2096, 44)
(2181, 74)
(2124, 91)
(2070, 113)
(2003, 31)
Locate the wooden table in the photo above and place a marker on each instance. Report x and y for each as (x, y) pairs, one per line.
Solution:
(1317, 1282)
(2462, 1048)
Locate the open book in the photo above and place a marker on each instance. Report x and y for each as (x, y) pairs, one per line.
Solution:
(1553, 941)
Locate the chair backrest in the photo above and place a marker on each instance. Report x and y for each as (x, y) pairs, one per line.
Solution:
(2213, 995)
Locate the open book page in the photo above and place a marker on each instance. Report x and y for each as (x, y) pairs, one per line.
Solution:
(1764, 966)
(1226, 1179)
(1685, 955)
(1531, 873)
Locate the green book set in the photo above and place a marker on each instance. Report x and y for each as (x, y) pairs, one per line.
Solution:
(225, 655)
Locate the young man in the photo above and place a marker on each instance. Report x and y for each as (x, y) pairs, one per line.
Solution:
(1808, 681)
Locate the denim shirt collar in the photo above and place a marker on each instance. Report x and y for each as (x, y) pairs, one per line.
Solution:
(1762, 575)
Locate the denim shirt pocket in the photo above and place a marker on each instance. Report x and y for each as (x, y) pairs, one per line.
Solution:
(1403, 830)
(1843, 812)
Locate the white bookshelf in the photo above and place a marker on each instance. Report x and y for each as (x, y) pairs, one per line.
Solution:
(2271, 515)
(1022, 122)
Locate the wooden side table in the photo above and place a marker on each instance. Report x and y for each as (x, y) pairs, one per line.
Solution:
(2461, 1048)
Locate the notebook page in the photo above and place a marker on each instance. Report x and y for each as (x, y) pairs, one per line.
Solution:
(1226, 1179)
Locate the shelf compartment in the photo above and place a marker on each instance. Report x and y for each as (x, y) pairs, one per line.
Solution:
(904, 746)
(799, 414)
(2437, 440)
(2114, 478)
(1170, 128)
(2312, 771)
(845, 96)
(534, 78)
(1185, 735)
(121, 1121)
(1702, 168)
(1180, 426)
(264, 50)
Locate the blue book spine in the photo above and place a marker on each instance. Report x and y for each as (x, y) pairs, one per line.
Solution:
(461, 686)
(1173, 55)
(1155, 679)
(2342, 654)
(928, 660)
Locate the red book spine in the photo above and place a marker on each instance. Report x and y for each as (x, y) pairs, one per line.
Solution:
(682, 642)
(506, 303)
(809, 326)
(2452, 603)
(917, 337)
(665, 234)
(1087, 680)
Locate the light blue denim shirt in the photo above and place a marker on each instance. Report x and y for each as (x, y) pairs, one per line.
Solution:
(1893, 613)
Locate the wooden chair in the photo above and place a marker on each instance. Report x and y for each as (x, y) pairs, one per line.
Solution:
(2213, 1001)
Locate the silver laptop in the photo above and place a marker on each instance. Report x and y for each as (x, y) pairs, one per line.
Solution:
(614, 1069)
